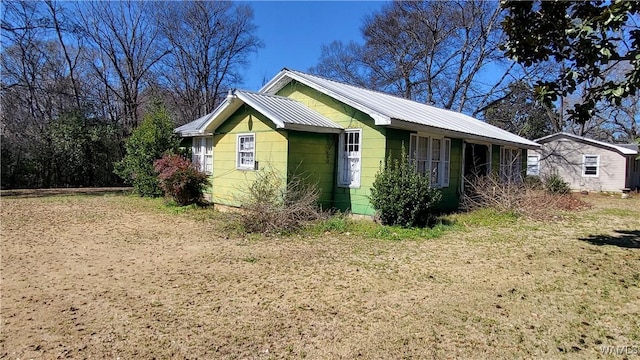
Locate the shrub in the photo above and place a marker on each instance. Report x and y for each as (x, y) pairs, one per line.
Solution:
(517, 199)
(556, 185)
(272, 205)
(533, 182)
(401, 196)
(492, 192)
(147, 143)
(180, 179)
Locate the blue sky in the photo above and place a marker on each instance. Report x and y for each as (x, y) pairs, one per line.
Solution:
(293, 33)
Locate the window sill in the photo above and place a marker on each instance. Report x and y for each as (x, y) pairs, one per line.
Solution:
(246, 168)
(349, 186)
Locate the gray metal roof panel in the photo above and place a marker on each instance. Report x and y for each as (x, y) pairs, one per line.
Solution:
(381, 105)
(285, 110)
(194, 126)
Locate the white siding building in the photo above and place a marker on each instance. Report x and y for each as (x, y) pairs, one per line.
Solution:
(586, 164)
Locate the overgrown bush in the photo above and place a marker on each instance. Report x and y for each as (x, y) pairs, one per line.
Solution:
(556, 185)
(147, 143)
(401, 196)
(492, 192)
(180, 179)
(273, 205)
(517, 198)
(533, 182)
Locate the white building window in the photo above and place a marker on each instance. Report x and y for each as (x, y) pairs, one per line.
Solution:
(246, 151)
(431, 156)
(533, 165)
(350, 159)
(510, 165)
(202, 153)
(590, 165)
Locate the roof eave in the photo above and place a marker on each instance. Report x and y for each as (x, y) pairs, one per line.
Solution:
(620, 150)
(313, 129)
(405, 125)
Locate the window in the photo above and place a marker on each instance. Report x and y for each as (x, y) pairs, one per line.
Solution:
(202, 153)
(350, 158)
(419, 153)
(431, 156)
(510, 165)
(246, 151)
(533, 165)
(590, 165)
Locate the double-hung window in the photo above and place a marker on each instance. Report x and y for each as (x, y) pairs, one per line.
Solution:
(590, 165)
(533, 165)
(349, 161)
(431, 156)
(510, 165)
(419, 153)
(202, 153)
(246, 151)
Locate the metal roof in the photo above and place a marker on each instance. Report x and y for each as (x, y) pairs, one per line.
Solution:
(622, 149)
(285, 113)
(391, 110)
(194, 127)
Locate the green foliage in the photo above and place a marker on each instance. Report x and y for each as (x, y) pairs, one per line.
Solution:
(587, 38)
(342, 224)
(180, 179)
(517, 111)
(72, 150)
(556, 185)
(273, 205)
(147, 143)
(403, 197)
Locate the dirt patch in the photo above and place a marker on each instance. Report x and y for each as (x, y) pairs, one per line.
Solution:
(120, 276)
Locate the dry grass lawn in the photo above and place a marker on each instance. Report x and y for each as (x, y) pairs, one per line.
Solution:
(123, 277)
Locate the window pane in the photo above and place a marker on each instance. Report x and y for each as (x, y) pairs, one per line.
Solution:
(435, 149)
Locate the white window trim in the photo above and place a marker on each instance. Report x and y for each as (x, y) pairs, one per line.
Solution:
(584, 165)
(342, 158)
(199, 153)
(238, 165)
(444, 177)
(537, 165)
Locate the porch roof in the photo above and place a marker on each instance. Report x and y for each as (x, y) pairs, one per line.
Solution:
(283, 112)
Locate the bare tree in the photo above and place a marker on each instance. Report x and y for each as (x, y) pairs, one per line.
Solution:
(212, 42)
(428, 51)
(125, 49)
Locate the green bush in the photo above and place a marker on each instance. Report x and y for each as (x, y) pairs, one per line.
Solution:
(403, 197)
(147, 143)
(556, 185)
(180, 179)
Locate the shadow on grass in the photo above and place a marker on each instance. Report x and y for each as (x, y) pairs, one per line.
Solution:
(623, 238)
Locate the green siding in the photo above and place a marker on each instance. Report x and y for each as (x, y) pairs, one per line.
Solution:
(396, 141)
(373, 143)
(495, 159)
(271, 151)
(313, 157)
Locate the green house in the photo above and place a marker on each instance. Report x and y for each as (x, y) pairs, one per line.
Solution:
(338, 136)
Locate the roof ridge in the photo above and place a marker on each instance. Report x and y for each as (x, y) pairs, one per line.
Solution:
(370, 90)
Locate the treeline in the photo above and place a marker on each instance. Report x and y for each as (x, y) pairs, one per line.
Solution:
(77, 78)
